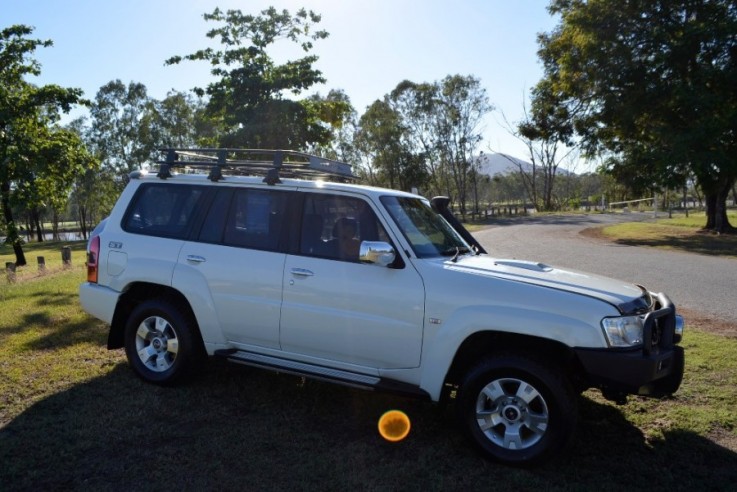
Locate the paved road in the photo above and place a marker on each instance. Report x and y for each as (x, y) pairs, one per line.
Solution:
(707, 285)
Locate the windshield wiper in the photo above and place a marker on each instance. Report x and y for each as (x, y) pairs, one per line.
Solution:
(456, 252)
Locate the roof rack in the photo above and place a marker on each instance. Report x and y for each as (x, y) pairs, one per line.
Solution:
(272, 164)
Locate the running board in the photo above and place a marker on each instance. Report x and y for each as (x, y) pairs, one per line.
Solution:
(346, 378)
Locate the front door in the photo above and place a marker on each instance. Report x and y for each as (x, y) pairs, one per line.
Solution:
(338, 309)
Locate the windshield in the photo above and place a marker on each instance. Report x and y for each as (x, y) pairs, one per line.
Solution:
(428, 233)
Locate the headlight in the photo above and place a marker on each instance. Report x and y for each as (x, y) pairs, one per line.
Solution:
(625, 331)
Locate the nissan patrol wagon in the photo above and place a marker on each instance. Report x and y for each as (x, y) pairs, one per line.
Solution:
(275, 259)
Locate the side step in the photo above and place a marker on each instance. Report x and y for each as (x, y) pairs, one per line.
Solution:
(346, 378)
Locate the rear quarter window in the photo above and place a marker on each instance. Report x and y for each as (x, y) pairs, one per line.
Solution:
(163, 210)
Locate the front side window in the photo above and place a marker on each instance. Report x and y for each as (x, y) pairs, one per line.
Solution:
(163, 210)
(427, 232)
(333, 226)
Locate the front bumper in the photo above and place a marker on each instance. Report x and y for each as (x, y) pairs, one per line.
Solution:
(654, 369)
(632, 372)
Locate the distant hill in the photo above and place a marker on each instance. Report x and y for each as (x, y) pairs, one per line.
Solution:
(493, 164)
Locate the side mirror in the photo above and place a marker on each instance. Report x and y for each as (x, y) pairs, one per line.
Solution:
(377, 252)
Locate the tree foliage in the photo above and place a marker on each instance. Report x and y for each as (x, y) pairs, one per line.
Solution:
(249, 99)
(652, 86)
(426, 135)
(117, 133)
(36, 157)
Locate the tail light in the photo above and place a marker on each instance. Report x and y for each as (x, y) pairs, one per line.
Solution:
(93, 259)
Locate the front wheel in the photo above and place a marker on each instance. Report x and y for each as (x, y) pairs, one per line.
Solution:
(516, 410)
(160, 342)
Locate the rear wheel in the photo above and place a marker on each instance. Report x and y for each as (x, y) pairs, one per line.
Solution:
(516, 410)
(160, 342)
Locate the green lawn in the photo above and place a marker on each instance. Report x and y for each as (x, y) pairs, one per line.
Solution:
(678, 233)
(50, 250)
(74, 416)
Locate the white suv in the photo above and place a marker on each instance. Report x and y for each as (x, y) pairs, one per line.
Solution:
(367, 287)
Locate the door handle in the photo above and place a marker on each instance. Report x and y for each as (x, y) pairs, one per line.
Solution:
(196, 258)
(302, 272)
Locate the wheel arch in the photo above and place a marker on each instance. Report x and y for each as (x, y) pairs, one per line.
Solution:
(139, 292)
(487, 343)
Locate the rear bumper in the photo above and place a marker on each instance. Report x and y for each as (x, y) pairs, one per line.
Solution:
(98, 301)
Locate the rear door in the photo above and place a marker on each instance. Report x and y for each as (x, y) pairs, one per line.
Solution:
(239, 257)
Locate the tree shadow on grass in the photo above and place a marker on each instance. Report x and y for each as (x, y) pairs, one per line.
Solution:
(55, 298)
(700, 243)
(235, 428)
(54, 334)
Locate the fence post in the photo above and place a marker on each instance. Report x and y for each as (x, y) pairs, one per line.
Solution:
(41, 264)
(66, 256)
(10, 271)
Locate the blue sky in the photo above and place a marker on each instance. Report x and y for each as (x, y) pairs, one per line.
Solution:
(373, 45)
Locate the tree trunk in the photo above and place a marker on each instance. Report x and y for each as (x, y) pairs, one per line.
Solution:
(13, 237)
(55, 225)
(83, 221)
(35, 220)
(716, 208)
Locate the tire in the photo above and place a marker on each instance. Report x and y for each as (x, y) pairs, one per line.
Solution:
(516, 410)
(161, 342)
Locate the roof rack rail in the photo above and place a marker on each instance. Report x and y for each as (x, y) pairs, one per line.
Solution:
(272, 164)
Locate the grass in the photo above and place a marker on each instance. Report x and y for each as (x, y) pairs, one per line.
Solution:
(50, 250)
(73, 416)
(678, 233)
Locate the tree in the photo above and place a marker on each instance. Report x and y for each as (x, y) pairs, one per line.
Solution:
(653, 86)
(248, 98)
(336, 115)
(171, 122)
(416, 104)
(26, 113)
(382, 137)
(95, 191)
(547, 132)
(55, 160)
(461, 106)
(117, 135)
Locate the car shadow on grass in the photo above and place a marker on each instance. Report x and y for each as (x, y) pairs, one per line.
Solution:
(236, 428)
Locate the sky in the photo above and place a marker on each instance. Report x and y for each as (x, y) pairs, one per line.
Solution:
(373, 45)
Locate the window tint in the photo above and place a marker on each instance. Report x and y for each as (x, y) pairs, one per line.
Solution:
(333, 226)
(255, 219)
(163, 210)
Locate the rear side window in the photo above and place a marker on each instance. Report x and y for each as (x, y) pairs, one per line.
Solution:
(256, 219)
(163, 210)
